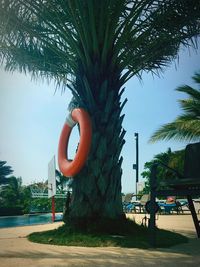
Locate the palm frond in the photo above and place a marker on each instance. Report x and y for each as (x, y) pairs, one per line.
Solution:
(32, 39)
(157, 33)
(187, 125)
(191, 107)
(53, 38)
(178, 130)
(193, 93)
(196, 78)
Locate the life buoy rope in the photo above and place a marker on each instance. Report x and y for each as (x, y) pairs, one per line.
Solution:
(71, 167)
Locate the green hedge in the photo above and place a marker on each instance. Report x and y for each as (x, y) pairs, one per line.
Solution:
(10, 211)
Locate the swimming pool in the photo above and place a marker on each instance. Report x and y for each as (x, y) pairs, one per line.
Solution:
(28, 219)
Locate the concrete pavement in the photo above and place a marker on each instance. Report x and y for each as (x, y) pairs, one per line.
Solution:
(16, 250)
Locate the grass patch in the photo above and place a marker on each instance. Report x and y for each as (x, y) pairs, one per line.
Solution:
(128, 234)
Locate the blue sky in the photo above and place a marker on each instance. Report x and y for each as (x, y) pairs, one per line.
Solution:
(32, 115)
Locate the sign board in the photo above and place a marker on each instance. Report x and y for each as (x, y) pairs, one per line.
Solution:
(52, 178)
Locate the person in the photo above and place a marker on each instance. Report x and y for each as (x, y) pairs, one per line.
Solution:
(171, 200)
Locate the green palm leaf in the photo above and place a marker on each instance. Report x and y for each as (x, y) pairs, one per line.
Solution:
(135, 35)
(185, 127)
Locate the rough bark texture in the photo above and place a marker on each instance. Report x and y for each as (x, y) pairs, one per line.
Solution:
(97, 188)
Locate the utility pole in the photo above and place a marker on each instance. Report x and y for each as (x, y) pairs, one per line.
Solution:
(136, 165)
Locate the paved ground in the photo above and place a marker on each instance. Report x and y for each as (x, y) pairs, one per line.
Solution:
(17, 251)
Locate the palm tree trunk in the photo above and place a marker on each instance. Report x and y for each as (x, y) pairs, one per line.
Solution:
(96, 190)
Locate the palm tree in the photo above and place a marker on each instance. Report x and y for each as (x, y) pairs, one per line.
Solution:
(94, 47)
(186, 127)
(174, 160)
(4, 172)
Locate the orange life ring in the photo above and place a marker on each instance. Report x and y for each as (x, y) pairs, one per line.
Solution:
(67, 167)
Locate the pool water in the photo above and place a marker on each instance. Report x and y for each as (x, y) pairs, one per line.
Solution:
(28, 219)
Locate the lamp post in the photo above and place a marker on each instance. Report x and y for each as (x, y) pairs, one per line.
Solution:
(136, 165)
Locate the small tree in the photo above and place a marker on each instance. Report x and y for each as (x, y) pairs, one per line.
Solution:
(4, 172)
(12, 200)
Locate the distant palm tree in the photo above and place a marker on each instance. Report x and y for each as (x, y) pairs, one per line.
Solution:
(4, 172)
(172, 159)
(186, 127)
